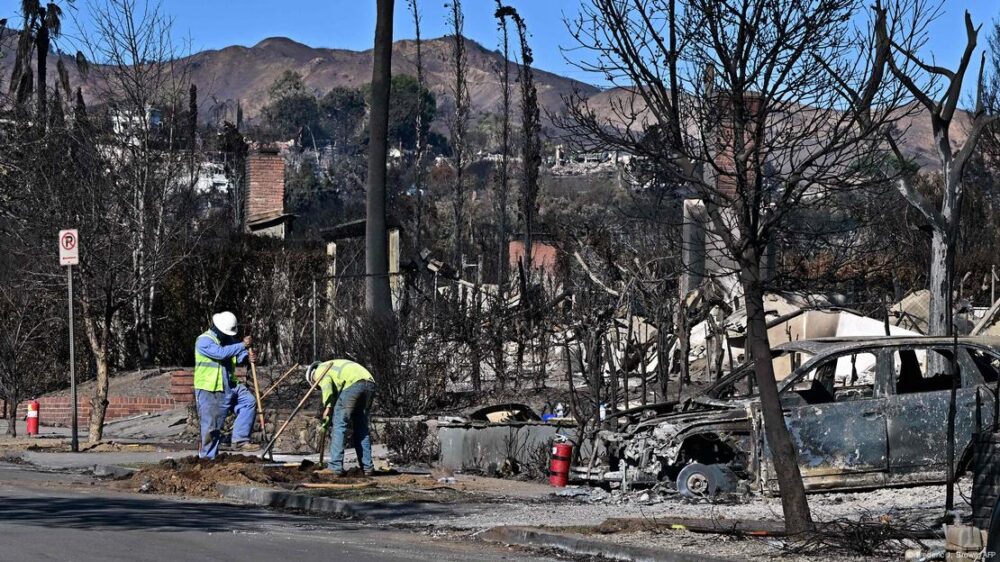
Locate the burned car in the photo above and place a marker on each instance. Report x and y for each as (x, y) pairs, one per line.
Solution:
(863, 413)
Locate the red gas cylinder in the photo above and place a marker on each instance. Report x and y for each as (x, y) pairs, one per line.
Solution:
(559, 467)
(33, 417)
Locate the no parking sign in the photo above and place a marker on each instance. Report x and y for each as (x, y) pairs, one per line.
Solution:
(69, 247)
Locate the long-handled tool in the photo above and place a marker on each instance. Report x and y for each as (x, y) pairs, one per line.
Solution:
(302, 402)
(260, 403)
(279, 381)
(322, 440)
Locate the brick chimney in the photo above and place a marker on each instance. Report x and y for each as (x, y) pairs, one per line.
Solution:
(725, 183)
(265, 194)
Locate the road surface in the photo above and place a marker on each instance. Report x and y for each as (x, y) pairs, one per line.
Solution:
(58, 517)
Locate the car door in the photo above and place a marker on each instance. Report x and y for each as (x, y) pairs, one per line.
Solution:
(917, 412)
(839, 429)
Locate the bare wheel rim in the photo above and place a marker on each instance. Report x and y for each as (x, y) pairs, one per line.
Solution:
(697, 484)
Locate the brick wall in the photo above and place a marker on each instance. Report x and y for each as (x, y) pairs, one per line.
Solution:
(265, 184)
(543, 256)
(57, 410)
(182, 386)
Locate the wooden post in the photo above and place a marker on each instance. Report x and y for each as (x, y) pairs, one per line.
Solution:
(395, 281)
(331, 281)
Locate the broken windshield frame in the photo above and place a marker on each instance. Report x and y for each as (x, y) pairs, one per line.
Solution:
(725, 389)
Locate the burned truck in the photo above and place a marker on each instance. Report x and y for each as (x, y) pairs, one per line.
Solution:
(863, 413)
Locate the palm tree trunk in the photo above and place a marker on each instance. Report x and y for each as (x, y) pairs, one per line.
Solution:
(42, 45)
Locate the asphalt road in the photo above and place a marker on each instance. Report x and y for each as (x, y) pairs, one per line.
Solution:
(49, 517)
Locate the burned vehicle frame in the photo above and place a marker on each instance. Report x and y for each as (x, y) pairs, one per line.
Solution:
(862, 413)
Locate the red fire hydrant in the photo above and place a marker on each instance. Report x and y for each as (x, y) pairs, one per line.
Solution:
(562, 452)
(32, 417)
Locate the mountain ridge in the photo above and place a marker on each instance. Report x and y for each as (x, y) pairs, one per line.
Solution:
(243, 74)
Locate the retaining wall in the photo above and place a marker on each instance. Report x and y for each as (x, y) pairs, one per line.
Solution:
(57, 410)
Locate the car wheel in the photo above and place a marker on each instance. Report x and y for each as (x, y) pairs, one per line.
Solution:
(698, 480)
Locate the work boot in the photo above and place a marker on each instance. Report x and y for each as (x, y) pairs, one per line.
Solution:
(246, 447)
(331, 472)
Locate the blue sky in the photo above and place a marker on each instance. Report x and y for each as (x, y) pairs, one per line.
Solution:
(350, 23)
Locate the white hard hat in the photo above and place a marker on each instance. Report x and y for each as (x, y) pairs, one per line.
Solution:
(312, 371)
(225, 322)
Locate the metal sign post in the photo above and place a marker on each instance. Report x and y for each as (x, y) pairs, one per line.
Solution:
(69, 255)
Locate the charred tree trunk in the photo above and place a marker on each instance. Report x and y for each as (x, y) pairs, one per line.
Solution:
(783, 453)
(531, 148)
(458, 128)
(940, 278)
(10, 412)
(683, 347)
(503, 170)
(378, 298)
(42, 48)
(418, 176)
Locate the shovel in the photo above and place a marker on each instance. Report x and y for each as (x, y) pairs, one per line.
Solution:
(274, 439)
(260, 404)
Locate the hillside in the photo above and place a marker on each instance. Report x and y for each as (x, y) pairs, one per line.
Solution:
(244, 74)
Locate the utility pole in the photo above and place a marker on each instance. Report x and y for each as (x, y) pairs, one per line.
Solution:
(378, 296)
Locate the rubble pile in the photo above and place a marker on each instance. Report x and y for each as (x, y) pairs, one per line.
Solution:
(659, 494)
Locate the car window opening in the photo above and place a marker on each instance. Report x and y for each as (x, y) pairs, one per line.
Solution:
(988, 365)
(912, 376)
(840, 379)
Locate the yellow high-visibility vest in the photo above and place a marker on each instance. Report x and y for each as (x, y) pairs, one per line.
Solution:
(341, 374)
(208, 372)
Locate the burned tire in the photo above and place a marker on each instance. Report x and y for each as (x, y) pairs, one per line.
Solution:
(698, 480)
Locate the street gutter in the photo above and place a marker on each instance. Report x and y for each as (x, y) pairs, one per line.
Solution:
(519, 536)
(581, 546)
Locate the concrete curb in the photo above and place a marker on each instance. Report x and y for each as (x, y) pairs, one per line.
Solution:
(581, 546)
(280, 499)
(381, 511)
(111, 471)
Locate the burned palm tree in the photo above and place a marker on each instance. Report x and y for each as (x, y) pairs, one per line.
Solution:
(41, 25)
(531, 144)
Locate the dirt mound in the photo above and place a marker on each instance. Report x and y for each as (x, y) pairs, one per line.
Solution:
(197, 477)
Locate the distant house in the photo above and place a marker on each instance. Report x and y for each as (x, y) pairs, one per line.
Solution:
(130, 124)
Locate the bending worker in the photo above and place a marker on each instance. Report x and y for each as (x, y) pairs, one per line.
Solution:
(217, 392)
(348, 392)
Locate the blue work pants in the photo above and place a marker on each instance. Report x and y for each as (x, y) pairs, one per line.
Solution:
(352, 407)
(213, 407)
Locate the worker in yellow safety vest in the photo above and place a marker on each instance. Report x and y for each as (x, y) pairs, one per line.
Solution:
(348, 391)
(217, 352)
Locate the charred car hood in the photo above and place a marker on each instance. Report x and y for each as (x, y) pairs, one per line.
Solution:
(731, 411)
(663, 437)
